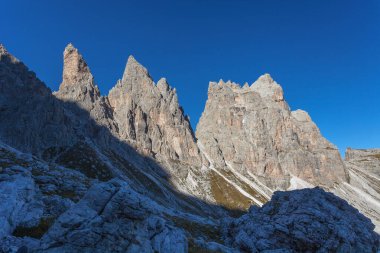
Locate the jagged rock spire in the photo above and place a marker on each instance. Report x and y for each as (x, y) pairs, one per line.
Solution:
(134, 68)
(77, 81)
(136, 82)
(3, 50)
(150, 117)
(5, 54)
(75, 68)
(163, 86)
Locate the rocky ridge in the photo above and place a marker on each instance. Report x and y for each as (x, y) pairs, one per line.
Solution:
(138, 142)
(150, 119)
(252, 131)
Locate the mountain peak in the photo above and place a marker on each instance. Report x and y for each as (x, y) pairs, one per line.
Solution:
(134, 68)
(131, 59)
(163, 86)
(3, 50)
(268, 88)
(266, 78)
(75, 68)
(69, 46)
(77, 80)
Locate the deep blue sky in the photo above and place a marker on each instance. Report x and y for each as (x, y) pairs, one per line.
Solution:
(325, 54)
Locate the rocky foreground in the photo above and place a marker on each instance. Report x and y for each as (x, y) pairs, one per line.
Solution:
(308, 220)
(49, 208)
(82, 172)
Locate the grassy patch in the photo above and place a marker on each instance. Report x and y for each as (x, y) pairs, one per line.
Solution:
(227, 195)
(195, 248)
(35, 232)
(230, 175)
(51, 153)
(8, 159)
(198, 229)
(69, 194)
(83, 158)
(209, 232)
(375, 156)
(136, 174)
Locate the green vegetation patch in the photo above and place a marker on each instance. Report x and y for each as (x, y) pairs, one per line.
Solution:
(196, 230)
(35, 232)
(227, 195)
(68, 194)
(195, 248)
(136, 174)
(375, 156)
(83, 158)
(210, 232)
(8, 159)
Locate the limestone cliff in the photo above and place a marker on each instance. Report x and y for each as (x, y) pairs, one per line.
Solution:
(149, 116)
(252, 131)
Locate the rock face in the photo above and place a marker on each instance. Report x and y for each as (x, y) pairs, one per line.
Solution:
(48, 208)
(150, 117)
(145, 115)
(20, 200)
(78, 83)
(112, 217)
(290, 222)
(78, 90)
(363, 191)
(367, 159)
(252, 130)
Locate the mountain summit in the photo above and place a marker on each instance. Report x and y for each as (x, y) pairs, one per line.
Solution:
(77, 81)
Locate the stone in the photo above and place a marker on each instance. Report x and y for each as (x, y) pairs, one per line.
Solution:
(21, 203)
(101, 222)
(300, 221)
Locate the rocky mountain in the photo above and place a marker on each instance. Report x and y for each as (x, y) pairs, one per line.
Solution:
(150, 119)
(250, 130)
(251, 137)
(82, 172)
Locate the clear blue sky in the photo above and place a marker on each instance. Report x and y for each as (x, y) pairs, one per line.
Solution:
(325, 54)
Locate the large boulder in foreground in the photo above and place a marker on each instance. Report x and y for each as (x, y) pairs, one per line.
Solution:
(307, 220)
